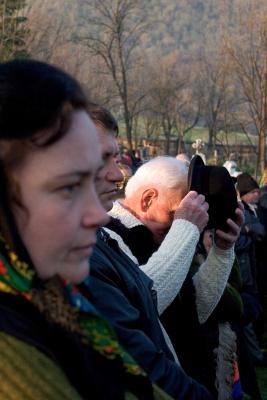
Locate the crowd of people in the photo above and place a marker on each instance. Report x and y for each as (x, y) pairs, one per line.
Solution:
(138, 298)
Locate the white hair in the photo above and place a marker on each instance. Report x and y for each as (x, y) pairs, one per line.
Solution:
(164, 171)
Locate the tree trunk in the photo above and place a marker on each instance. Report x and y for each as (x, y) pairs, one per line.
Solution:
(167, 143)
(180, 146)
(211, 134)
(128, 125)
(261, 149)
(263, 125)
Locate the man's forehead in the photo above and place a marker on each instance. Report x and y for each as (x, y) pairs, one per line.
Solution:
(110, 144)
(107, 141)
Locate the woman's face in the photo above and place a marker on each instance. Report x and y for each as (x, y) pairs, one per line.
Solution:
(61, 211)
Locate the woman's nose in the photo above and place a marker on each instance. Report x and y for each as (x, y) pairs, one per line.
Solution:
(95, 215)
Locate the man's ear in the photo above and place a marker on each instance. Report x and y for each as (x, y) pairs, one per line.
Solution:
(147, 198)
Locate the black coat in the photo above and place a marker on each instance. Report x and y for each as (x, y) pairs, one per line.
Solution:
(252, 233)
(180, 318)
(123, 293)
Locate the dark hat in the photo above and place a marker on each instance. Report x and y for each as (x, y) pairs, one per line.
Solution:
(245, 184)
(216, 184)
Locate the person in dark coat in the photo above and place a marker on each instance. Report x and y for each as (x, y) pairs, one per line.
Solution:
(262, 268)
(251, 235)
(249, 250)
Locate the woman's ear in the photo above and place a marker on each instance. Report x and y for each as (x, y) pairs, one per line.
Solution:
(147, 199)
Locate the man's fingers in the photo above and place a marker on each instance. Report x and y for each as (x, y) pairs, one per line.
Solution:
(191, 195)
(195, 197)
(200, 199)
(228, 237)
(234, 226)
(205, 206)
(225, 240)
(194, 208)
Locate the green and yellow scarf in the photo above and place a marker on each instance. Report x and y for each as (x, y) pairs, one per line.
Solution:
(62, 304)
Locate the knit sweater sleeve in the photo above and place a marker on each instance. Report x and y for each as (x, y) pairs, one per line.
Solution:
(211, 279)
(169, 266)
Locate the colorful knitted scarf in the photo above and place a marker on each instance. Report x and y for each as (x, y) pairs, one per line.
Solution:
(17, 278)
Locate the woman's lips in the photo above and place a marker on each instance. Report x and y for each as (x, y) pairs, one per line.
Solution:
(84, 251)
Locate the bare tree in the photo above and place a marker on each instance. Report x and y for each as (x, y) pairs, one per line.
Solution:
(50, 25)
(248, 49)
(13, 31)
(216, 89)
(189, 111)
(111, 31)
(171, 98)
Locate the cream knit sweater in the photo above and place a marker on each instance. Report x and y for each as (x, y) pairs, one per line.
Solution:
(169, 265)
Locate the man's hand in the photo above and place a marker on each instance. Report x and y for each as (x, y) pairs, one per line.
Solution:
(225, 240)
(193, 208)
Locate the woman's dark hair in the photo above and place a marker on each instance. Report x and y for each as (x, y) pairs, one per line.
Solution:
(36, 105)
(32, 96)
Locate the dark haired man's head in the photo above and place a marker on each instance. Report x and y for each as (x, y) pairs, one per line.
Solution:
(103, 117)
(110, 174)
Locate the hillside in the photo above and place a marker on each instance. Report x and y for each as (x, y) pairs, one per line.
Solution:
(184, 25)
(185, 66)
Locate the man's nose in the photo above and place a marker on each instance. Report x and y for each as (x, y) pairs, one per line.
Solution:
(115, 174)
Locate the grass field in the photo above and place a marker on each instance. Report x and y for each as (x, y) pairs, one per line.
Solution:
(262, 379)
(262, 372)
(231, 138)
(200, 133)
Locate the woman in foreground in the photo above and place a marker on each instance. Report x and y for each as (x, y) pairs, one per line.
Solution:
(53, 343)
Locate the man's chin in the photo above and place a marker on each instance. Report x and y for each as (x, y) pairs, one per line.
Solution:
(108, 206)
(107, 203)
(107, 200)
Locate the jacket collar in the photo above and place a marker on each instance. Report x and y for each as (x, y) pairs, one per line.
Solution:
(124, 215)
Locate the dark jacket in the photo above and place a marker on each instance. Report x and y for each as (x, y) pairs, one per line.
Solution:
(262, 246)
(123, 293)
(92, 375)
(252, 232)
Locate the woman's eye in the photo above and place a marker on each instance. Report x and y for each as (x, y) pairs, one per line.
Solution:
(71, 188)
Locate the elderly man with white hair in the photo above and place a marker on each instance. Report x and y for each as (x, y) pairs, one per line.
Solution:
(152, 197)
(157, 228)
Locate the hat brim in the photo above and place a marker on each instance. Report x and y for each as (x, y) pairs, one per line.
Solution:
(216, 184)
